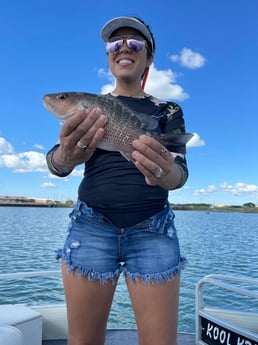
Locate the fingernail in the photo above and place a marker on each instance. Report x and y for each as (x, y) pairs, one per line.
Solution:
(98, 110)
(135, 142)
(135, 154)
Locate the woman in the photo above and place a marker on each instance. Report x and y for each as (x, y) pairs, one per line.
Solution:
(122, 222)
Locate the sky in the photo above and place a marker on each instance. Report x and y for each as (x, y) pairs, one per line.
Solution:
(206, 60)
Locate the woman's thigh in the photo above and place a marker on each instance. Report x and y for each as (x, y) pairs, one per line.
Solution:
(88, 305)
(156, 310)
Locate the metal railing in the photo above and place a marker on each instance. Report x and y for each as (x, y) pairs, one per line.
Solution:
(212, 325)
(18, 275)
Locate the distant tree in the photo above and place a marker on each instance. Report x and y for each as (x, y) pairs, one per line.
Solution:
(69, 203)
(249, 205)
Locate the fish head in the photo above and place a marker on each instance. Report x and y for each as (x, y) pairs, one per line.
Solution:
(63, 105)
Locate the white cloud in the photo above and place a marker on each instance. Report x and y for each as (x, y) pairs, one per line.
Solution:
(24, 162)
(204, 191)
(211, 188)
(5, 146)
(107, 88)
(30, 161)
(189, 59)
(105, 74)
(21, 162)
(38, 146)
(77, 172)
(160, 83)
(51, 176)
(195, 141)
(237, 189)
(48, 185)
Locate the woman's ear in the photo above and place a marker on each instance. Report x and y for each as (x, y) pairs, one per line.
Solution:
(150, 60)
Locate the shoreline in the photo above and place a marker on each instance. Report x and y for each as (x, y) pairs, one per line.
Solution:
(176, 207)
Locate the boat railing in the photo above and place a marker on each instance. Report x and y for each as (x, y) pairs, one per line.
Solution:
(32, 287)
(17, 275)
(216, 326)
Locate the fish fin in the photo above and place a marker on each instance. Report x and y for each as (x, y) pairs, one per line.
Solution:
(175, 139)
(127, 156)
(151, 122)
(144, 121)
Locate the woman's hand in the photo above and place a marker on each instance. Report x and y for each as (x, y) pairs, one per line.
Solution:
(85, 128)
(155, 162)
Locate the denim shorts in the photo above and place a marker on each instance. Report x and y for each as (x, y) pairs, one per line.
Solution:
(100, 250)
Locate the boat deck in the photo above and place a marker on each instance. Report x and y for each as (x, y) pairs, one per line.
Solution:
(128, 337)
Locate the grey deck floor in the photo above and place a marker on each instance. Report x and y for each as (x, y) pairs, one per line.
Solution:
(128, 337)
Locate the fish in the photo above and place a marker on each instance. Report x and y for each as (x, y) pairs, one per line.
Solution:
(124, 124)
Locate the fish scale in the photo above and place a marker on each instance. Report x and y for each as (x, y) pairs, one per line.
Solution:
(122, 128)
(124, 124)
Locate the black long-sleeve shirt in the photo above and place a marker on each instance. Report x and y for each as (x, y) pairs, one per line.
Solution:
(114, 186)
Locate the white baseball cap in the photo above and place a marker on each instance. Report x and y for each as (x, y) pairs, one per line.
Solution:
(131, 22)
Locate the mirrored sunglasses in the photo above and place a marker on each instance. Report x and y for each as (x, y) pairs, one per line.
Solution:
(114, 44)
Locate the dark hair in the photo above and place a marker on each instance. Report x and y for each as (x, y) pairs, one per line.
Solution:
(152, 47)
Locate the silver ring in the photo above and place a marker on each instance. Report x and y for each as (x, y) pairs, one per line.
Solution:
(164, 152)
(159, 173)
(81, 146)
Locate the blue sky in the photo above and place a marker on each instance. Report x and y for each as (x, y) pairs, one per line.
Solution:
(206, 60)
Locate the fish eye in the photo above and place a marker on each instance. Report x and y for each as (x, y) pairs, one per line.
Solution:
(61, 96)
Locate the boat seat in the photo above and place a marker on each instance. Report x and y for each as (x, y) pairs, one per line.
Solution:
(10, 336)
(28, 321)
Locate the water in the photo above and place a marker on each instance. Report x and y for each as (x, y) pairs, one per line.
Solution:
(223, 243)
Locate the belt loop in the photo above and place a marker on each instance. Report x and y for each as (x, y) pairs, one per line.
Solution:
(80, 206)
(77, 208)
(160, 219)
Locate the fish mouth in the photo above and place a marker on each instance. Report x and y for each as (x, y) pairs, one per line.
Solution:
(61, 117)
(66, 116)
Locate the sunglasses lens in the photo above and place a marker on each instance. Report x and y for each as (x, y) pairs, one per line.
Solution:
(114, 47)
(136, 45)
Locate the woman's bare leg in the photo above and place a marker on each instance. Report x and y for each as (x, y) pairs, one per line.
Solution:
(88, 306)
(156, 311)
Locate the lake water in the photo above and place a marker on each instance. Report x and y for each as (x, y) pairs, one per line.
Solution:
(221, 243)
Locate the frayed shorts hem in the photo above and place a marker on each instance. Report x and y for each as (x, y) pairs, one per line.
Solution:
(103, 278)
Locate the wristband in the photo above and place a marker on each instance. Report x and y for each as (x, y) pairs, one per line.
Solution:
(184, 175)
(53, 167)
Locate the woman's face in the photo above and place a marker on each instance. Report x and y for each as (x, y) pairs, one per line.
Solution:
(126, 64)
